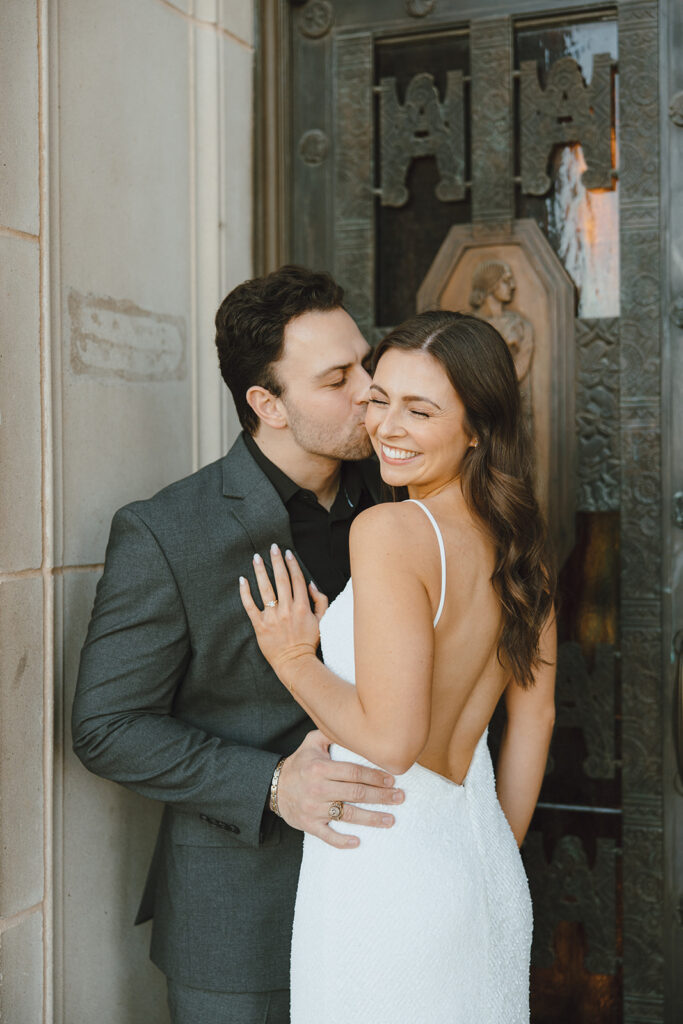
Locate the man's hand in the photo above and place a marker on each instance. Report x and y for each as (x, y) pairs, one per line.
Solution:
(310, 781)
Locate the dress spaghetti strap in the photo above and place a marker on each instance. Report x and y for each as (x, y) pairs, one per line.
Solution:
(442, 552)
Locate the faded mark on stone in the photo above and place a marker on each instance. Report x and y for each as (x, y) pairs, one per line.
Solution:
(21, 668)
(113, 338)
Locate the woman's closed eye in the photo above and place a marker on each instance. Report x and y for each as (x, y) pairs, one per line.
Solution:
(415, 412)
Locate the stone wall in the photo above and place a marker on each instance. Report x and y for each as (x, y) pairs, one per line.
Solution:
(125, 216)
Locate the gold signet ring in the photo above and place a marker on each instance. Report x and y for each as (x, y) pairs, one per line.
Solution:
(336, 811)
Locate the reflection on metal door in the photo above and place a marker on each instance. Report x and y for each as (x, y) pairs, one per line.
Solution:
(436, 151)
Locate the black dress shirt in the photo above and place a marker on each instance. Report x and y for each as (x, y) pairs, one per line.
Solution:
(321, 538)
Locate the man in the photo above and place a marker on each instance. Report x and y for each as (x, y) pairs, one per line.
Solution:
(174, 699)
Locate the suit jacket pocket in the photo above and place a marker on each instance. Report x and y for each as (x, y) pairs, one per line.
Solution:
(193, 830)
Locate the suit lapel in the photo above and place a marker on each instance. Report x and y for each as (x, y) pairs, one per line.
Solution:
(255, 504)
(257, 507)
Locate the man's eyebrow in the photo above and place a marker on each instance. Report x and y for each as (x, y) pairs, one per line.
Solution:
(409, 398)
(332, 369)
(343, 367)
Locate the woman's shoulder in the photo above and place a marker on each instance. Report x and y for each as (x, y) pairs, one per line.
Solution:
(395, 516)
(391, 527)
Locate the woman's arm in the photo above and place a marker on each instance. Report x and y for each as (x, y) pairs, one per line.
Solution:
(526, 738)
(385, 717)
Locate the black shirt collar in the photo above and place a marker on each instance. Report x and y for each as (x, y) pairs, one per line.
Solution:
(351, 483)
(283, 484)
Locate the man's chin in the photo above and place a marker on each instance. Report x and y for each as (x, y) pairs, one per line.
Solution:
(352, 448)
(360, 449)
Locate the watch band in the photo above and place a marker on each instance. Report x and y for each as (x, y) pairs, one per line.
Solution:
(274, 806)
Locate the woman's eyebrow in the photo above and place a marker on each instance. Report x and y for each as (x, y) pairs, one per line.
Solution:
(409, 398)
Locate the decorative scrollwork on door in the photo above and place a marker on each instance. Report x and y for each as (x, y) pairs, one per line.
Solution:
(423, 126)
(585, 700)
(570, 888)
(566, 111)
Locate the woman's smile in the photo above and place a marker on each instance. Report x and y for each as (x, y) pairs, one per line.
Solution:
(394, 455)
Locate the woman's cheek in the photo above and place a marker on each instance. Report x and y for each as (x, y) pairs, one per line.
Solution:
(371, 419)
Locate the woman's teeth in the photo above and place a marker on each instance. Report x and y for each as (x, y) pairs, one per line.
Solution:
(397, 453)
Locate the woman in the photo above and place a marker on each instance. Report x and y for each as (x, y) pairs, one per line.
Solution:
(449, 606)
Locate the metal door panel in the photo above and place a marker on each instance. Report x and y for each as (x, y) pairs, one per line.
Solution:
(609, 829)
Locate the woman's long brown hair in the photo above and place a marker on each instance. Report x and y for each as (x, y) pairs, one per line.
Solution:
(496, 476)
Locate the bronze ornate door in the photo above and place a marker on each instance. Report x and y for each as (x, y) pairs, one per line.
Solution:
(505, 160)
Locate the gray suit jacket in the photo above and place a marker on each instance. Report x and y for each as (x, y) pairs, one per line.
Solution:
(175, 701)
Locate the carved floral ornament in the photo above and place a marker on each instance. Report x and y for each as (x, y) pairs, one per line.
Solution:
(676, 109)
(316, 18)
(420, 8)
(564, 111)
(313, 147)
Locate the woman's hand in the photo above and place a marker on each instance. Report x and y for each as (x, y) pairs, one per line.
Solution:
(287, 628)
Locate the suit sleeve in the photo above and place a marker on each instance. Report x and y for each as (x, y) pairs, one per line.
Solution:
(134, 658)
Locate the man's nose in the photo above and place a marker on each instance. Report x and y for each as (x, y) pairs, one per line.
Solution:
(363, 386)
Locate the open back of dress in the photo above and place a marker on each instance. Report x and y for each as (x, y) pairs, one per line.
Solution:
(428, 922)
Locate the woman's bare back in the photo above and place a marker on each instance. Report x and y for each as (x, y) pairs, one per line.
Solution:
(468, 680)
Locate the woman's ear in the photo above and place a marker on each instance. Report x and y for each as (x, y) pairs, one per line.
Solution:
(267, 407)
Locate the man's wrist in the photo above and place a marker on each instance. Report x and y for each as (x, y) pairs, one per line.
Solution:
(273, 801)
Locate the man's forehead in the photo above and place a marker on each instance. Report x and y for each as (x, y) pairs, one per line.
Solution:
(322, 339)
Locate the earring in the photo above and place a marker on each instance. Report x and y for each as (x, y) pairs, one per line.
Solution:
(476, 443)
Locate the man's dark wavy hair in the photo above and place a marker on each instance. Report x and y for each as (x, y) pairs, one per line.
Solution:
(250, 328)
(497, 476)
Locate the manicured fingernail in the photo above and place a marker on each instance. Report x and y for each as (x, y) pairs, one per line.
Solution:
(289, 555)
(242, 581)
(274, 548)
(313, 586)
(352, 841)
(388, 780)
(397, 797)
(387, 820)
(258, 559)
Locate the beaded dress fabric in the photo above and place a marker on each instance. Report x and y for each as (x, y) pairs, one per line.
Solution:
(428, 922)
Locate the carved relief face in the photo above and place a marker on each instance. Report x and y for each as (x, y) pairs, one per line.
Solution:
(505, 286)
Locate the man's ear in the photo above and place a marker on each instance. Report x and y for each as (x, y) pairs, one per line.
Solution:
(267, 407)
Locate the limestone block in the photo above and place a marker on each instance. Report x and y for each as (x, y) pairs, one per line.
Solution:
(237, 16)
(19, 195)
(20, 443)
(21, 745)
(21, 970)
(205, 11)
(126, 260)
(185, 6)
(123, 151)
(107, 840)
(237, 164)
